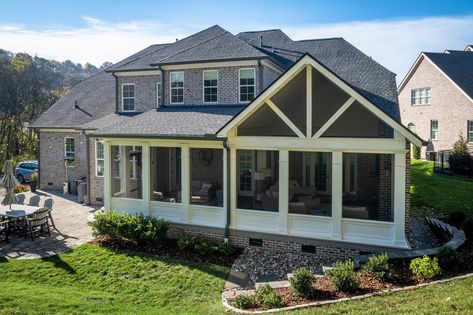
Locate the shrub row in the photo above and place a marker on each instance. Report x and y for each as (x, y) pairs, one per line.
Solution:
(144, 230)
(204, 247)
(264, 295)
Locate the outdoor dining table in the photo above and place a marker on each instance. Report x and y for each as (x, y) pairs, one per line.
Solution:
(17, 211)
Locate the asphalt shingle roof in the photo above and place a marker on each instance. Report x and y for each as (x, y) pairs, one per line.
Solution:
(191, 121)
(95, 98)
(458, 66)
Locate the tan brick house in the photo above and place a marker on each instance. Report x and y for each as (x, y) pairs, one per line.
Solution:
(252, 137)
(436, 99)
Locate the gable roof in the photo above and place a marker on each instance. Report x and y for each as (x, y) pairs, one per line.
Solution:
(307, 59)
(456, 65)
(361, 72)
(95, 97)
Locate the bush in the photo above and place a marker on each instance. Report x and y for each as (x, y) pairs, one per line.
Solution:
(448, 258)
(204, 247)
(378, 266)
(244, 301)
(301, 282)
(425, 267)
(144, 230)
(416, 152)
(226, 249)
(262, 291)
(273, 300)
(187, 243)
(467, 227)
(343, 276)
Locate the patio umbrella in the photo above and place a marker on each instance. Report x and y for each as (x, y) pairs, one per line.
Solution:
(9, 182)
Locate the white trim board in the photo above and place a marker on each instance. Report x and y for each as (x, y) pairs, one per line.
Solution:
(293, 71)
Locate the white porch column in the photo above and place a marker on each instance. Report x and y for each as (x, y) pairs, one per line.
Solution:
(233, 186)
(399, 206)
(124, 172)
(225, 183)
(185, 183)
(283, 189)
(107, 176)
(146, 177)
(337, 194)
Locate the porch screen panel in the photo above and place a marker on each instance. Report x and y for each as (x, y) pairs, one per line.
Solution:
(310, 183)
(166, 174)
(292, 100)
(265, 122)
(327, 98)
(126, 164)
(206, 168)
(368, 186)
(359, 122)
(257, 180)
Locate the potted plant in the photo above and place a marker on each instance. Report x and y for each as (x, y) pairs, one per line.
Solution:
(34, 182)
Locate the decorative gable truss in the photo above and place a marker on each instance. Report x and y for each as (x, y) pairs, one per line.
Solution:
(310, 102)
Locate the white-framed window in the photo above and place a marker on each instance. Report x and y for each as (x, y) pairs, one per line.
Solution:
(176, 85)
(210, 86)
(159, 94)
(420, 96)
(70, 151)
(434, 129)
(469, 132)
(99, 159)
(128, 97)
(412, 127)
(246, 84)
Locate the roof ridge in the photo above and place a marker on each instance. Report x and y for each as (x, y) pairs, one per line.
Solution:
(190, 47)
(317, 39)
(145, 55)
(270, 30)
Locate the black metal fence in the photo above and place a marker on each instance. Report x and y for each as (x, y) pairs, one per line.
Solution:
(442, 165)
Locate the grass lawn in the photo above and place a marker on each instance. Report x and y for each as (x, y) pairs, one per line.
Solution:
(435, 194)
(96, 280)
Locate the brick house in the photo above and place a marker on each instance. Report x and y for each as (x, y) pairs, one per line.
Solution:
(252, 137)
(436, 99)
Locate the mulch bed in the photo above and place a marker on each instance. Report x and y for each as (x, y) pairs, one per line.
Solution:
(401, 277)
(168, 250)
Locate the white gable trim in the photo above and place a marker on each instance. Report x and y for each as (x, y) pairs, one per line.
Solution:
(335, 116)
(285, 118)
(291, 73)
(416, 65)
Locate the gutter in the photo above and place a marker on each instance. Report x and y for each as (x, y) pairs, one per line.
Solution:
(87, 153)
(228, 216)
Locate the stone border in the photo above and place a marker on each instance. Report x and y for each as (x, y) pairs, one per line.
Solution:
(328, 302)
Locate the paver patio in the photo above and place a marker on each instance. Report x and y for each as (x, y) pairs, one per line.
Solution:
(71, 230)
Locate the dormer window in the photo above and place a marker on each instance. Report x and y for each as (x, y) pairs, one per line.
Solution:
(210, 86)
(177, 87)
(247, 84)
(128, 97)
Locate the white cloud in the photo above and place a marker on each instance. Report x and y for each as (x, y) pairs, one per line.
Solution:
(396, 43)
(393, 43)
(96, 42)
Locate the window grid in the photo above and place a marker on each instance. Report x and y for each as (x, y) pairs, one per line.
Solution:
(434, 129)
(210, 86)
(70, 151)
(177, 87)
(420, 96)
(128, 97)
(470, 131)
(247, 84)
(99, 159)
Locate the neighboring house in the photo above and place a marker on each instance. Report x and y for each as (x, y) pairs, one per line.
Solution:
(436, 99)
(254, 137)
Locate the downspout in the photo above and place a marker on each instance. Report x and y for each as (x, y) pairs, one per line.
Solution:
(87, 153)
(116, 92)
(162, 87)
(228, 216)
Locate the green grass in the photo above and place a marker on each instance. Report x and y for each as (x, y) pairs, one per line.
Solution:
(94, 280)
(435, 194)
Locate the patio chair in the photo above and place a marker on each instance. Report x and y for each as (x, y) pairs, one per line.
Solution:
(48, 204)
(20, 199)
(5, 229)
(37, 223)
(34, 201)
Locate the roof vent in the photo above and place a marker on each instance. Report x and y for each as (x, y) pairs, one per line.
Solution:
(177, 39)
(75, 104)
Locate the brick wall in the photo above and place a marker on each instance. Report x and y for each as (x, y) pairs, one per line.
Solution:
(448, 105)
(51, 156)
(145, 91)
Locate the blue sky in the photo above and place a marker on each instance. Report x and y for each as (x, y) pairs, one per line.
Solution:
(392, 32)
